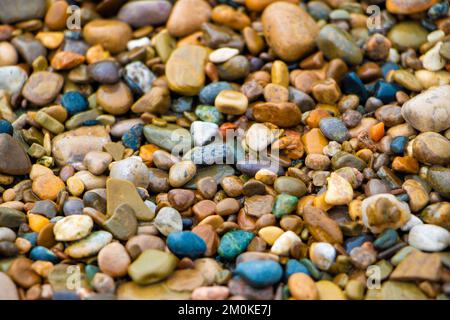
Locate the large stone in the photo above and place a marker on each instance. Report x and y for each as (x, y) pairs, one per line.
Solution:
(289, 30)
(113, 35)
(418, 266)
(42, 87)
(185, 69)
(187, 17)
(430, 110)
(13, 158)
(169, 137)
(12, 11)
(89, 246)
(72, 146)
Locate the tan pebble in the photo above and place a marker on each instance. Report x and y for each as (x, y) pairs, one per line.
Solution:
(302, 287)
(75, 185)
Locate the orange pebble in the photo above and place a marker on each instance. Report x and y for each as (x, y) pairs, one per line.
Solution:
(315, 116)
(405, 164)
(37, 222)
(146, 153)
(376, 132)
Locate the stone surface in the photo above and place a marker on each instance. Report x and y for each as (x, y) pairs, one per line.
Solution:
(13, 158)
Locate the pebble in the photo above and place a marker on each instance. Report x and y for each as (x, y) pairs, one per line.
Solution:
(438, 178)
(234, 243)
(152, 266)
(114, 260)
(9, 289)
(407, 34)
(302, 287)
(168, 220)
(322, 254)
(47, 186)
(347, 50)
(339, 190)
(13, 158)
(186, 244)
(168, 137)
(181, 20)
(299, 34)
(140, 75)
(408, 7)
(143, 13)
(89, 246)
(283, 114)
(115, 99)
(42, 87)
(231, 102)
(104, 72)
(284, 204)
(429, 237)
(72, 228)
(284, 243)
(428, 110)
(210, 293)
(260, 273)
(97, 161)
(431, 148)
(322, 228)
(131, 169)
(29, 48)
(204, 132)
(17, 11)
(181, 173)
(112, 35)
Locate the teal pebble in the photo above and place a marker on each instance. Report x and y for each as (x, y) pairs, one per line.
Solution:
(260, 273)
(209, 114)
(234, 243)
(284, 204)
(43, 254)
(91, 271)
(386, 239)
(312, 269)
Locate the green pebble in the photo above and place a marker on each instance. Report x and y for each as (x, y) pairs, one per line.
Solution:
(234, 243)
(284, 204)
(209, 114)
(315, 273)
(401, 254)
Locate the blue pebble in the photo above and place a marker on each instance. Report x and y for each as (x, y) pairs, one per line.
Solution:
(388, 67)
(72, 35)
(352, 84)
(186, 244)
(132, 138)
(209, 93)
(90, 123)
(234, 243)
(294, 266)
(260, 273)
(398, 144)
(354, 242)
(182, 104)
(43, 254)
(386, 239)
(438, 10)
(32, 237)
(386, 91)
(6, 127)
(334, 129)
(428, 24)
(74, 102)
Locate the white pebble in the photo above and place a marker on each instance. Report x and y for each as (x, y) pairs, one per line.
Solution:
(429, 237)
(284, 243)
(412, 222)
(204, 132)
(322, 254)
(223, 54)
(432, 59)
(435, 36)
(137, 43)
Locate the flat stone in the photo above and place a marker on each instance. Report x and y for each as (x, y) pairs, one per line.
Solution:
(89, 246)
(158, 291)
(13, 158)
(123, 223)
(152, 266)
(12, 11)
(418, 266)
(169, 137)
(395, 290)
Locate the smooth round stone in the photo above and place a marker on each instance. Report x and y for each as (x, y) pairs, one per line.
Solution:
(104, 72)
(112, 35)
(294, 266)
(115, 99)
(344, 159)
(12, 79)
(114, 260)
(284, 243)
(260, 273)
(289, 30)
(16, 11)
(97, 161)
(132, 169)
(89, 246)
(259, 137)
(186, 244)
(9, 289)
(429, 111)
(335, 43)
(13, 158)
(152, 266)
(11, 218)
(408, 6)
(322, 254)
(222, 55)
(43, 254)
(139, 243)
(168, 220)
(7, 234)
(431, 148)
(8, 54)
(181, 173)
(282, 114)
(182, 22)
(234, 69)
(231, 102)
(42, 87)
(143, 13)
(429, 237)
(396, 290)
(72, 228)
(302, 287)
(234, 243)
(407, 34)
(328, 290)
(437, 214)
(29, 47)
(334, 129)
(185, 69)
(209, 93)
(284, 204)
(204, 132)
(8, 249)
(74, 102)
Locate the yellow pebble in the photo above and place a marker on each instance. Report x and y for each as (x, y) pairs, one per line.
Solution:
(329, 291)
(270, 234)
(280, 73)
(37, 222)
(75, 185)
(319, 202)
(231, 102)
